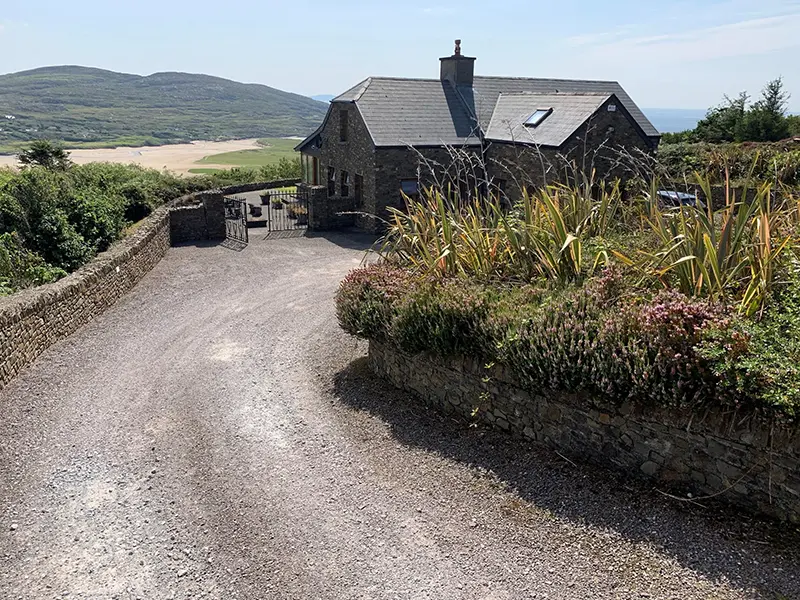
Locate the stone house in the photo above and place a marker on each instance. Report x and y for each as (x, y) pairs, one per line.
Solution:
(387, 136)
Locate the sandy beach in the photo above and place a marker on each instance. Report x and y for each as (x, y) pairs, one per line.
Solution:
(178, 158)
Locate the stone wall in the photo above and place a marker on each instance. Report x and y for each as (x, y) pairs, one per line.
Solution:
(325, 213)
(188, 224)
(423, 164)
(198, 217)
(34, 319)
(595, 145)
(749, 462)
(355, 155)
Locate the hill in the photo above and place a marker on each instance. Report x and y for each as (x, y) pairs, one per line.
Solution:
(92, 107)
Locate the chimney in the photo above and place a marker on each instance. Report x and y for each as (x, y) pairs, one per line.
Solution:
(457, 69)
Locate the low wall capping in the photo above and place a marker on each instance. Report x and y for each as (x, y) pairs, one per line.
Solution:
(754, 462)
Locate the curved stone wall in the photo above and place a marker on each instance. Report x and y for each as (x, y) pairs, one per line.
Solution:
(738, 459)
(34, 319)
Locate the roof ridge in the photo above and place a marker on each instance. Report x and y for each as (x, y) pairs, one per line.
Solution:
(557, 93)
(546, 79)
(383, 78)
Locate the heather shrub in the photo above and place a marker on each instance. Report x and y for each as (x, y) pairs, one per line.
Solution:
(447, 318)
(365, 300)
(758, 361)
(606, 337)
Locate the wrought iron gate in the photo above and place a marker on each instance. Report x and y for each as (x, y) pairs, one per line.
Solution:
(284, 210)
(236, 220)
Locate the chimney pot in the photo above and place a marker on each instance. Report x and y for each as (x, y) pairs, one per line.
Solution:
(457, 69)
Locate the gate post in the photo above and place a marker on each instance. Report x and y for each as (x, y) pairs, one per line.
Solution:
(215, 215)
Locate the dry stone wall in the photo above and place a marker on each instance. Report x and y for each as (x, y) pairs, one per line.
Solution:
(32, 320)
(746, 461)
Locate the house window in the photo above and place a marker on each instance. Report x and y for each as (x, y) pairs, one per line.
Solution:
(345, 184)
(538, 117)
(358, 190)
(331, 181)
(343, 115)
(310, 166)
(410, 188)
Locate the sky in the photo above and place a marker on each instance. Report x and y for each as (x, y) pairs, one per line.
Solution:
(666, 53)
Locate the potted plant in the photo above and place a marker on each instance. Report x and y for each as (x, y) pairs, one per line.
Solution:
(255, 210)
(265, 197)
(302, 215)
(277, 204)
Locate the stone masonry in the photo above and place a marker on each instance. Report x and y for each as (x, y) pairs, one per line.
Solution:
(355, 156)
(32, 320)
(326, 213)
(596, 145)
(743, 460)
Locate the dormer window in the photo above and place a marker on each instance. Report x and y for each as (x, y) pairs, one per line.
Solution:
(537, 117)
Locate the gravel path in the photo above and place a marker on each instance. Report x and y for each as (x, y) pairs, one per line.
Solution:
(214, 435)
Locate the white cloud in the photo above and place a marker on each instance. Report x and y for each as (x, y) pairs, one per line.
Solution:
(744, 38)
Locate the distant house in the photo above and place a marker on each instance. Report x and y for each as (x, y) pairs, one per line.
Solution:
(375, 135)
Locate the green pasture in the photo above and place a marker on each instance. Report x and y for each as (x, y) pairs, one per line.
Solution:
(273, 150)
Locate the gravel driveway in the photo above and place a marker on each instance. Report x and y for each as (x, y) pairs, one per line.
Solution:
(214, 435)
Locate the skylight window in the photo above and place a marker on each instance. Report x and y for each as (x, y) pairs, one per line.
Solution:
(536, 118)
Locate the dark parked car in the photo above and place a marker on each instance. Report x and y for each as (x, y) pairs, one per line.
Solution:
(672, 198)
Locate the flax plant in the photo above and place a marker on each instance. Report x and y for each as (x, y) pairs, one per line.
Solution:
(727, 254)
(543, 237)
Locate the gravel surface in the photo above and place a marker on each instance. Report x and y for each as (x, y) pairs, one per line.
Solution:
(214, 435)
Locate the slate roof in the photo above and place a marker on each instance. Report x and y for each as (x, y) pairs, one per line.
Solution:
(569, 112)
(419, 112)
(488, 89)
(431, 112)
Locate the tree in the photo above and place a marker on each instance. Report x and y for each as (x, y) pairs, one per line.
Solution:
(774, 99)
(44, 153)
(722, 122)
(766, 119)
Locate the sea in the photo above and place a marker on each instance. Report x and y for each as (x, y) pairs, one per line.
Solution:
(673, 120)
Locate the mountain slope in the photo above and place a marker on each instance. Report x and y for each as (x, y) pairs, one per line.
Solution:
(80, 104)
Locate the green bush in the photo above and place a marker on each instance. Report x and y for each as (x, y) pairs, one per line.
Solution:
(365, 300)
(448, 318)
(64, 216)
(20, 268)
(97, 217)
(778, 163)
(761, 358)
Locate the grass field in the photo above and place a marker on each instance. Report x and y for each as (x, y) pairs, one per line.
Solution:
(273, 151)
